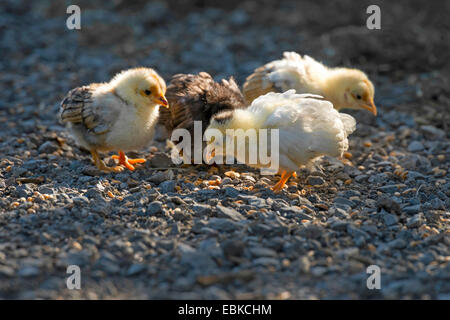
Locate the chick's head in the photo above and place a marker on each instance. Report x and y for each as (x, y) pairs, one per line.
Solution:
(221, 122)
(352, 89)
(215, 134)
(142, 87)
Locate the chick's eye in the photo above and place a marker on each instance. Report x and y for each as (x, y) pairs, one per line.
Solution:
(358, 97)
(147, 92)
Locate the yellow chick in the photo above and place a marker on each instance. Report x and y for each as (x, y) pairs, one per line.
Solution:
(116, 116)
(308, 127)
(345, 88)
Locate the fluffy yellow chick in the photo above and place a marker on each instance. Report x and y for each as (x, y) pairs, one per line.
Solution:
(116, 116)
(308, 127)
(345, 88)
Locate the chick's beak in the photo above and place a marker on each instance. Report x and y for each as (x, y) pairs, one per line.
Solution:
(162, 101)
(370, 106)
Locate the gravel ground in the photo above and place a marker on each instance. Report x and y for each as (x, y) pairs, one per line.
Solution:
(220, 233)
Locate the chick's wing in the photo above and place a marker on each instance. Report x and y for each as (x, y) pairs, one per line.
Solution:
(276, 76)
(96, 114)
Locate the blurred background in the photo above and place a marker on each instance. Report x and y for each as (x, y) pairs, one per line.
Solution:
(408, 59)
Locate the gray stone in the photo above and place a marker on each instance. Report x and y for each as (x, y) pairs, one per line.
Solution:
(361, 178)
(161, 176)
(412, 209)
(46, 189)
(266, 262)
(135, 269)
(437, 204)
(415, 146)
(390, 219)
(347, 252)
(262, 252)
(108, 266)
(160, 160)
(397, 244)
(391, 188)
(48, 147)
(230, 192)
(344, 201)
(432, 132)
(338, 225)
(222, 224)
(257, 202)
(154, 208)
(24, 191)
(315, 181)
(356, 232)
(198, 260)
(28, 271)
(415, 221)
(93, 193)
(202, 210)
(229, 213)
(388, 204)
(339, 212)
(297, 212)
(81, 200)
(167, 186)
(233, 248)
(6, 271)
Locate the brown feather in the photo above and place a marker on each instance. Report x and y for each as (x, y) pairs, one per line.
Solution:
(198, 98)
(77, 108)
(253, 86)
(73, 105)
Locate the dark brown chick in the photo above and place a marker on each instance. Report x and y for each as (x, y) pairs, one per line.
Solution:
(198, 98)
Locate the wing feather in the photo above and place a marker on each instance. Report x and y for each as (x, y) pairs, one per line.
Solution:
(80, 107)
(291, 72)
(276, 76)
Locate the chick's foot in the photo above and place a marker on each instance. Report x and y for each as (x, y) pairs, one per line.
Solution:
(126, 162)
(280, 184)
(101, 165)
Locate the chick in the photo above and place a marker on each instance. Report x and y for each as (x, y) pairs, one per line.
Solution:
(116, 116)
(308, 127)
(198, 98)
(345, 88)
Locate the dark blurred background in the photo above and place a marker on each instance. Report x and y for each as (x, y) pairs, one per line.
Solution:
(408, 59)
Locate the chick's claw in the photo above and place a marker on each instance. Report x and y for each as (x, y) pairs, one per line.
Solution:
(115, 169)
(126, 162)
(280, 184)
(101, 165)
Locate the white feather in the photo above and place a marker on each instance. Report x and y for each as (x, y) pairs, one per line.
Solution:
(309, 126)
(293, 71)
(133, 131)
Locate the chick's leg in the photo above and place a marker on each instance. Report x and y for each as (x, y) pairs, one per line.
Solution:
(101, 165)
(294, 174)
(126, 162)
(280, 184)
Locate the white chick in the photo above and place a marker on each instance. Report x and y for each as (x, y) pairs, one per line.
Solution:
(309, 127)
(116, 116)
(345, 88)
